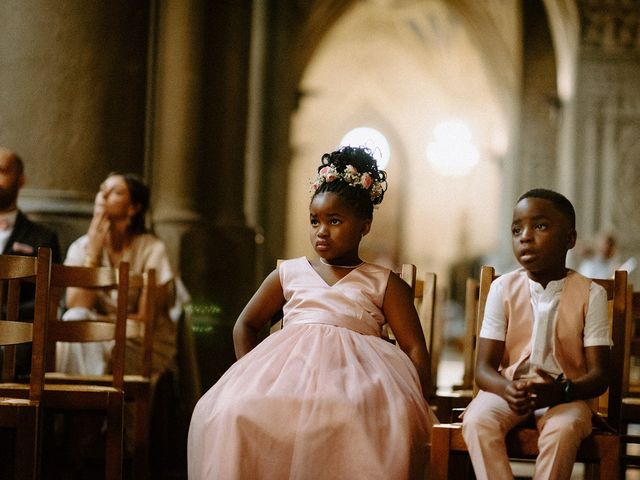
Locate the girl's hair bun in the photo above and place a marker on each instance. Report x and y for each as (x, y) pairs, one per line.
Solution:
(353, 173)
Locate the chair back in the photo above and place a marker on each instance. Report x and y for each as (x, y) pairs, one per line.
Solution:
(616, 289)
(632, 387)
(425, 300)
(487, 275)
(112, 328)
(141, 325)
(619, 321)
(408, 273)
(472, 291)
(15, 272)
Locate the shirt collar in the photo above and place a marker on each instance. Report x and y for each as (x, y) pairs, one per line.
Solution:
(9, 218)
(553, 286)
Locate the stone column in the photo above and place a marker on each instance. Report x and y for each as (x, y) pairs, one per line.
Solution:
(72, 101)
(196, 152)
(608, 122)
(176, 124)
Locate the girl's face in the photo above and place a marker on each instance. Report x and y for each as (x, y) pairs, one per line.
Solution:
(114, 198)
(541, 236)
(335, 229)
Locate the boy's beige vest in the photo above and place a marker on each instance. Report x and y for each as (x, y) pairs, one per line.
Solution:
(568, 348)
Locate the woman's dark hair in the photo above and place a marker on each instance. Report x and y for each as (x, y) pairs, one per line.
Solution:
(359, 198)
(139, 193)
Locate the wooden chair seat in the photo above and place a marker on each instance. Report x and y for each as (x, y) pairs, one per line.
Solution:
(601, 448)
(60, 396)
(601, 451)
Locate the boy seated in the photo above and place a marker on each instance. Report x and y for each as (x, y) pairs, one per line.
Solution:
(543, 349)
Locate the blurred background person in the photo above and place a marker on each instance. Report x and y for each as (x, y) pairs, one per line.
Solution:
(118, 233)
(604, 260)
(21, 236)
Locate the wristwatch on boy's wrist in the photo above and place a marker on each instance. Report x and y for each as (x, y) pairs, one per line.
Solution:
(568, 391)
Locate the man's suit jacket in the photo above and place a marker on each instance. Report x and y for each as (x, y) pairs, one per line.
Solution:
(25, 239)
(27, 236)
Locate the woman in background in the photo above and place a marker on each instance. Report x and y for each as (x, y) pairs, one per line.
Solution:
(118, 233)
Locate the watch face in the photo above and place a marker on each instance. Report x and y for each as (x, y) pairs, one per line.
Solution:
(568, 391)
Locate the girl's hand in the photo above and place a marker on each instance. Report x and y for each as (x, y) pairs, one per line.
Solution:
(518, 397)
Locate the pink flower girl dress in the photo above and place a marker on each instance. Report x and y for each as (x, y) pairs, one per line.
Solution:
(324, 398)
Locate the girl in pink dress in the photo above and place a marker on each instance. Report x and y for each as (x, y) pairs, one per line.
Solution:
(326, 397)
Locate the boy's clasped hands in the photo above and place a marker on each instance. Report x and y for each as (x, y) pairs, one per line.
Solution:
(532, 392)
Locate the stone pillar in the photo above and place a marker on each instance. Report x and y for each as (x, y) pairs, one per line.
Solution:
(608, 122)
(72, 100)
(540, 103)
(176, 122)
(197, 155)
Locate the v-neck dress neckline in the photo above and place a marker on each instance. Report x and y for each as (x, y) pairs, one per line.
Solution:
(337, 281)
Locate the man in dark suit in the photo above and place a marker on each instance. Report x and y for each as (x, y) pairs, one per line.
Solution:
(20, 236)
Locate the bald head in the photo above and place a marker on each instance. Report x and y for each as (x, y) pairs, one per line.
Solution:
(10, 159)
(11, 179)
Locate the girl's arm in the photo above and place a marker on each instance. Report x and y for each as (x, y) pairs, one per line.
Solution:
(264, 304)
(400, 313)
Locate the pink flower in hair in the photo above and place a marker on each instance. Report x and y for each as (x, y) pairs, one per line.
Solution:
(330, 177)
(366, 180)
(324, 170)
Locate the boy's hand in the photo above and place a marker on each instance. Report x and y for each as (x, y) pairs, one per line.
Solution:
(545, 391)
(518, 397)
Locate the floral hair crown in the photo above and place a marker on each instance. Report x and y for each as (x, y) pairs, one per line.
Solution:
(351, 176)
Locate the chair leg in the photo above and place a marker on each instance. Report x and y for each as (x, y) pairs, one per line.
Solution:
(141, 441)
(610, 461)
(609, 466)
(439, 462)
(115, 438)
(27, 453)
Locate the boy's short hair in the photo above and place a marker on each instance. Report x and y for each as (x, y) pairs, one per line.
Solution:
(561, 202)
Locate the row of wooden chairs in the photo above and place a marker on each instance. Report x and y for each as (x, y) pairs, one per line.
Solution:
(23, 405)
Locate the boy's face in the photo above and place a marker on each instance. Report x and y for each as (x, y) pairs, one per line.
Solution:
(541, 236)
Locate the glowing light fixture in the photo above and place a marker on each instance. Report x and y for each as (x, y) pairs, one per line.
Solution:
(372, 139)
(452, 153)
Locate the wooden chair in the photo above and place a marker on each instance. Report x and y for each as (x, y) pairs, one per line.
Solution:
(425, 302)
(97, 398)
(23, 415)
(447, 402)
(137, 387)
(631, 393)
(601, 448)
(408, 273)
(472, 293)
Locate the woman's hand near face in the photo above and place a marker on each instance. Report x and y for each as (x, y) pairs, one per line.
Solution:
(98, 230)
